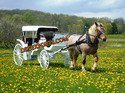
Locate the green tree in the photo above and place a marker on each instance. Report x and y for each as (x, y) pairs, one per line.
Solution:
(79, 29)
(120, 25)
(63, 22)
(36, 21)
(108, 28)
(114, 28)
(9, 32)
(86, 27)
(28, 18)
(17, 18)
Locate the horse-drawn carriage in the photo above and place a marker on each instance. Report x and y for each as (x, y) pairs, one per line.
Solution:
(40, 36)
(38, 43)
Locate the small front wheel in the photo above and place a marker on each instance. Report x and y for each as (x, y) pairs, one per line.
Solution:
(43, 59)
(66, 60)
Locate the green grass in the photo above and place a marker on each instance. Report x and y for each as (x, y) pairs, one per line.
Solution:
(118, 44)
(31, 78)
(116, 36)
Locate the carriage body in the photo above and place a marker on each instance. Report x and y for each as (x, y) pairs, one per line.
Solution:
(33, 35)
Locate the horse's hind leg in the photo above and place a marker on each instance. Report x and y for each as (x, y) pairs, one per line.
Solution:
(83, 63)
(71, 58)
(72, 63)
(95, 63)
(74, 60)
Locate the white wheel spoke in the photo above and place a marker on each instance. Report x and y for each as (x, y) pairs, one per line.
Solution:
(17, 55)
(21, 59)
(43, 59)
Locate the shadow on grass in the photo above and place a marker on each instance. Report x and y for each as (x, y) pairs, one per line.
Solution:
(98, 70)
(56, 65)
(50, 64)
(31, 63)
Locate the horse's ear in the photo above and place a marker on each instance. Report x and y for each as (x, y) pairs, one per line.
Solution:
(96, 24)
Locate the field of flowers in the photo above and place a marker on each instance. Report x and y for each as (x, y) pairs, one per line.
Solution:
(31, 78)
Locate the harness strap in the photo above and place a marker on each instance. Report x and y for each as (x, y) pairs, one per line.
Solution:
(78, 42)
(89, 40)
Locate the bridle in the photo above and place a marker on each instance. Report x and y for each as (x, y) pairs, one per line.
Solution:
(88, 40)
(100, 32)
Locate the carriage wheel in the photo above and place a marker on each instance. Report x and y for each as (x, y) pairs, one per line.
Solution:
(67, 60)
(43, 59)
(17, 55)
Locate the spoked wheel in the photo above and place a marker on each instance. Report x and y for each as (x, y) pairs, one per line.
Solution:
(17, 55)
(43, 59)
(66, 60)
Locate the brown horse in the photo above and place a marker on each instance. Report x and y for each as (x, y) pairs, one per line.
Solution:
(86, 44)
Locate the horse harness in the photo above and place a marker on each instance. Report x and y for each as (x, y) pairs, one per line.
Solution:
(88, 41)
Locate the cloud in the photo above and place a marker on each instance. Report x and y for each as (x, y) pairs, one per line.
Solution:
(97, 8)
(116, 13)
(90, 14)
(85, 8)
(59, 3)
(108, 2)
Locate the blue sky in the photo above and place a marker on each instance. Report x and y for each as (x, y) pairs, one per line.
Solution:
(83, 8)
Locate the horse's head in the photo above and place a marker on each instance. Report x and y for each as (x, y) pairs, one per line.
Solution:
(100, 31)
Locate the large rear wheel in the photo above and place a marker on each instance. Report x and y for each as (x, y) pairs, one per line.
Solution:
(17, 55)
(43, 59)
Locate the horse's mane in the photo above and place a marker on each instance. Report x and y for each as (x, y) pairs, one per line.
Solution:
(92, 29)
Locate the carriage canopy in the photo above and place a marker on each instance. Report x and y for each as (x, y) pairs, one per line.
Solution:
(39, 28)
(36, 34)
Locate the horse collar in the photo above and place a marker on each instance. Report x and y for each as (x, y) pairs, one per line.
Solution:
(88, 40)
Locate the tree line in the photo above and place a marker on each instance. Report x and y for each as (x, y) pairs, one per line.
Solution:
(11, 22)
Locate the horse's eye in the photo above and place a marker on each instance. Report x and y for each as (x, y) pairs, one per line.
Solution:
(101, 27)
(103, 32)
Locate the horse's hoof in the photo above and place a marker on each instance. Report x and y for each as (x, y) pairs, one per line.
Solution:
(84, 71)
(92, 70)
(73, 68)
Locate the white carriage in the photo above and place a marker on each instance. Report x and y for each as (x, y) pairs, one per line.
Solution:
(34, 35)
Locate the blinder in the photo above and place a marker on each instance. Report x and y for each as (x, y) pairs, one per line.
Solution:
(100, 34)
(100, 31)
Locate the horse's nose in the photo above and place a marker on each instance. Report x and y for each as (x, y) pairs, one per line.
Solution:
(104, 39)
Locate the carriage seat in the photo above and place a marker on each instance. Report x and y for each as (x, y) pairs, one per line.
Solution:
(30, 40)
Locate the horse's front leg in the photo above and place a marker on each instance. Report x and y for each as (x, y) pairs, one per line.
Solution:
(72, 63)
(83, 63)
(95, 63)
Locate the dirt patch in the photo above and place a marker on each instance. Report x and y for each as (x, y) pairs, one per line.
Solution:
(115, 39)
(117, 45)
